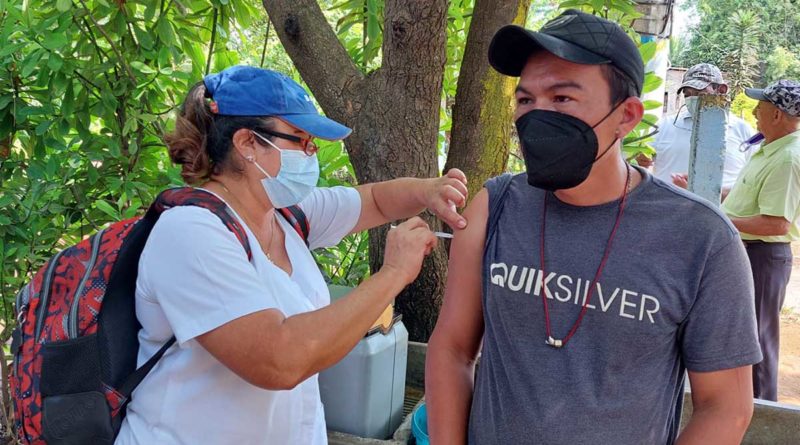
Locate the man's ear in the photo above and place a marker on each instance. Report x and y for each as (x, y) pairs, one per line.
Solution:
(632, 112)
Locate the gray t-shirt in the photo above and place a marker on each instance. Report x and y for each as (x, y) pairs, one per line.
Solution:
(675, 294)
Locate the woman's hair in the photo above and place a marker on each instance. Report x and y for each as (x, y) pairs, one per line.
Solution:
(202, 141)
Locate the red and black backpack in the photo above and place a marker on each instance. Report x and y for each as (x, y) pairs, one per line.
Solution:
(75, 345)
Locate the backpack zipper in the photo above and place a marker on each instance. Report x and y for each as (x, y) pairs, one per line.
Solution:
(73, 312)
(41, 311)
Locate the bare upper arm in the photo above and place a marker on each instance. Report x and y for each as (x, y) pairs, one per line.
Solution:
(460, 324)
(732, 388)
(250, 346)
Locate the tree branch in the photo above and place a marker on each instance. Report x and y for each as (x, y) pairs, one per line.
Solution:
(482, 113)
(110, 41)
(213, 37)
(317, 53)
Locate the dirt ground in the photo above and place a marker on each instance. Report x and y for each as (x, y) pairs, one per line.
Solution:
(789, 374)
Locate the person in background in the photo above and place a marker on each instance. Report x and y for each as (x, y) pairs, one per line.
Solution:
(252, 335)
(764, 205)
(673, 140)
(588, 285)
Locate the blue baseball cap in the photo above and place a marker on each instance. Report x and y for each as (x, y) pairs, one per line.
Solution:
(249, 91)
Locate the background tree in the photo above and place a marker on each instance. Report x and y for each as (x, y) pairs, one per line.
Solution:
(776, 23)
(741, 59)
(395, 108)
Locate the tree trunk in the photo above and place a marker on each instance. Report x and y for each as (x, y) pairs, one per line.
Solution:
(394, 112)
(482, 114)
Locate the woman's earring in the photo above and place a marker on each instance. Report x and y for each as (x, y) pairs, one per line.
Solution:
(250, 158)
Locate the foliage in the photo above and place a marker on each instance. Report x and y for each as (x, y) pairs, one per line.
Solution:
(741, 60)
(743, 106)
(87, 91)
(782, 64)
(365, 18)
(777, 23)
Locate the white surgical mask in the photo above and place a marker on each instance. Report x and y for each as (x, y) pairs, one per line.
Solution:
(296, 179)
(692, 103)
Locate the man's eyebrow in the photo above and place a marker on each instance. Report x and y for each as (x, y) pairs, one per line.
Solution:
(521, 89)
(555, 86)
(566, 84)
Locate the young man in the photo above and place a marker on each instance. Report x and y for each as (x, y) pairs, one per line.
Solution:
(764, 205)
(591, 285)
(673, 141)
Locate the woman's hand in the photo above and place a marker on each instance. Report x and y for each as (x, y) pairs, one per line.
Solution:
(443, 195)
(406, 247)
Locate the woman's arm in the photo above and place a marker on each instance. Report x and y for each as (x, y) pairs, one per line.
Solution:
(387, 201)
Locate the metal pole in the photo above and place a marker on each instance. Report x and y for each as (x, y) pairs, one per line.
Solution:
(707, 152)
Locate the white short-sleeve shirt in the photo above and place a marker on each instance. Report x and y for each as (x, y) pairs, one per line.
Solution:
(194, 276)
(672, 145)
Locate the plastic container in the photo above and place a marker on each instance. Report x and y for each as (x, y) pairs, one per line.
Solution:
(419, 425)
(363, 393)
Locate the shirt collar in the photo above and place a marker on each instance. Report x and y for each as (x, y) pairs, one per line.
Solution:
(778, 144)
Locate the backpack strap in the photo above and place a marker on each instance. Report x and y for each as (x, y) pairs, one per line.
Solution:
(137, 376)
(189, 196)
(297, 218)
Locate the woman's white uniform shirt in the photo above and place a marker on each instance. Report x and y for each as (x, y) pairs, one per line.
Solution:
(194, 276)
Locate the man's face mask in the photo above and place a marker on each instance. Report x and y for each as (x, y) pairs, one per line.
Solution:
(691, 105)
(559, 149)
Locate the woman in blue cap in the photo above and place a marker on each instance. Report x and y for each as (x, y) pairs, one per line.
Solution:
(252, 335)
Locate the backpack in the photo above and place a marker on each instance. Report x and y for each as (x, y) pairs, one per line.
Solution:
(76, 342)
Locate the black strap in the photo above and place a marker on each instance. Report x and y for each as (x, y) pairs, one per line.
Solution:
(297, 218)
(137, 376)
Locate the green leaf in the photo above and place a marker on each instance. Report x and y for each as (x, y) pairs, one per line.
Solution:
(31, 63)
(652, 104)
(55, 62)
(63, 5)
(164, 32)
(55, 41)
(651, 83)
(106, 208)
(10, 49)
(141, 67)
(648, 51)
(43, 127)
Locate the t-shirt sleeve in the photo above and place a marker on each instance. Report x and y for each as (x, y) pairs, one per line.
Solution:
(720, 329)
(198, 272)
(332, 213)
(780, 192)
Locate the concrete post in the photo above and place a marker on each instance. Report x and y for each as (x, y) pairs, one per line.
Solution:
(707, 152)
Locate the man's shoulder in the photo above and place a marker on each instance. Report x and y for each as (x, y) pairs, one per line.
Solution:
(676, 205)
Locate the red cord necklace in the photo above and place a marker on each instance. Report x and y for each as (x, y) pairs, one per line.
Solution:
(557, 343)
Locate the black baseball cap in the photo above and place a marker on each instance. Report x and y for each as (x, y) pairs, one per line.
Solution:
(574, 36)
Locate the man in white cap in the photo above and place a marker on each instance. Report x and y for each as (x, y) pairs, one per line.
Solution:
(764, 205)
(673, 141)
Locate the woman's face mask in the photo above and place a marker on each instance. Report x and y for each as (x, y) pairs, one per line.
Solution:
(296, 179)
(559, 149)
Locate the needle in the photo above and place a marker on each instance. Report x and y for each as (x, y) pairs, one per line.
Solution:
(438, 234)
